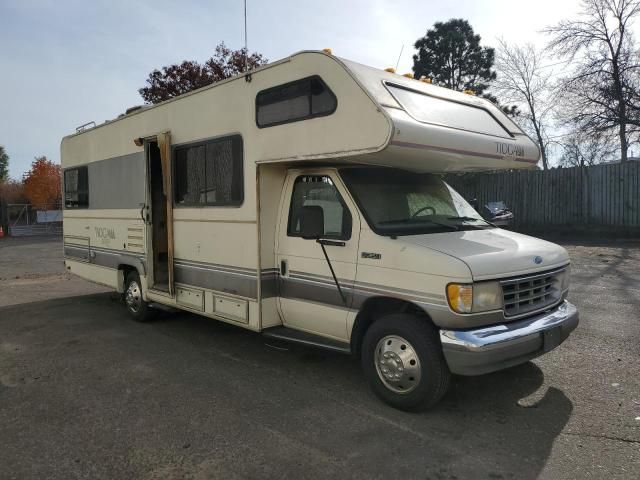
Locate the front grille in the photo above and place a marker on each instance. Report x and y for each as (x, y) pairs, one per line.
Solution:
(531, 293)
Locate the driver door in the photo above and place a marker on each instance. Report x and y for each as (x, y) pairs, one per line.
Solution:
(308, 297)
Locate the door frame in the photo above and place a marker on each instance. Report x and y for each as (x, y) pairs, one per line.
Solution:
(163, 140)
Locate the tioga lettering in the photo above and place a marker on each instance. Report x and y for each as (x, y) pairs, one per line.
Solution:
(509, 150)
(105, 233)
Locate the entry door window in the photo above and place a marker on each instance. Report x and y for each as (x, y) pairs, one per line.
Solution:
(319, 190)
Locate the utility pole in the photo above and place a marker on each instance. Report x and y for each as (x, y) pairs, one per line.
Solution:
(4, 216)
(399, 56)
(246, 47)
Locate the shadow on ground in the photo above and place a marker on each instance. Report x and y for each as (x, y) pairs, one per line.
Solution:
(86, 392)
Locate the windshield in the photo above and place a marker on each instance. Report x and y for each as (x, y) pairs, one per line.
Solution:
(397, 202)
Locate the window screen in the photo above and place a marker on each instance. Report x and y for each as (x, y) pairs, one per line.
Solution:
(291, 102)
(76, 188)
(428, 109)
(319, 190)
(210, 173)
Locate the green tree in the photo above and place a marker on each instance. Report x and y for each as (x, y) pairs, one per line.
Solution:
(450, 55)
(4, 164)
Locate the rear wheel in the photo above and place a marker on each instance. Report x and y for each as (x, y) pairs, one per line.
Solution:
(403, 362)
(139, 310)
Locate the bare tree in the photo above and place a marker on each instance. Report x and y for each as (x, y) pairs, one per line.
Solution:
(580, 149)
(603, 83)
(524, 80)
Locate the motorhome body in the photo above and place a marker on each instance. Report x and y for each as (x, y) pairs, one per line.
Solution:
(300, 200)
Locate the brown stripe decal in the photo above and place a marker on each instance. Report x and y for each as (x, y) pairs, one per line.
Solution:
(455, 150)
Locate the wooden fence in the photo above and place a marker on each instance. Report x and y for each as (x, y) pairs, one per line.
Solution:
(601, 196)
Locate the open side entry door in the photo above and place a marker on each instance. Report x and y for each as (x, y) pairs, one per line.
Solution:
(158, 214)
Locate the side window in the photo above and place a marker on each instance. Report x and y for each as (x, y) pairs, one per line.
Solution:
(319, 190)
(210, 173)
(294, 101)
(76, 188)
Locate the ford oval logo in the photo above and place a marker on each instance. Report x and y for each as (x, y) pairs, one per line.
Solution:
(537, 260)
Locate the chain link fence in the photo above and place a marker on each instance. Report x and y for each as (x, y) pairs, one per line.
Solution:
(26, 220)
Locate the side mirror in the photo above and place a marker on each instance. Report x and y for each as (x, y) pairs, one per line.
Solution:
(474, 203)
(312, 222)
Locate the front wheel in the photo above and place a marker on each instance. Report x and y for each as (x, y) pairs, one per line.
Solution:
(136, 306)
(403, 362)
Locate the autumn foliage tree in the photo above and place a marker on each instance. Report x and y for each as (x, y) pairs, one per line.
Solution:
(42, 184)
(174, 80)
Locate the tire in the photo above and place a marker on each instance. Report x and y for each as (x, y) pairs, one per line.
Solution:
(139, 310)
(403, 362)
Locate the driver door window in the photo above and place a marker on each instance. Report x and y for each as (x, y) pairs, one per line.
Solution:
(319, 190)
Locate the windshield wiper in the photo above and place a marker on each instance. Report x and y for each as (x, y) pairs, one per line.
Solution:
(421, 219)
(464, 219)
(469, 219)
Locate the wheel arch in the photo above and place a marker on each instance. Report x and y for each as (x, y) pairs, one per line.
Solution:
(375, 308)
(125, 266)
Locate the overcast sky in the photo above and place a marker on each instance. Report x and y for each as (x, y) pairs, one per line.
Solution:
(66, 62)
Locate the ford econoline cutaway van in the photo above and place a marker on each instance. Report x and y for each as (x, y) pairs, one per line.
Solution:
(303, 200)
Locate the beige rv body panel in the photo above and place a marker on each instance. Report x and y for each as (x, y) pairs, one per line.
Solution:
(214, 240)
(233, 263)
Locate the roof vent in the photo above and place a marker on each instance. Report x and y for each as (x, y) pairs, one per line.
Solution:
(133, 109)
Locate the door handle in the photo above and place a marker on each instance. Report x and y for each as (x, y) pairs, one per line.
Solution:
(142, 215)
(283, 268)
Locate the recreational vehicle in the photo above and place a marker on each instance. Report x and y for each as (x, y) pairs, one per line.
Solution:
(303, 200)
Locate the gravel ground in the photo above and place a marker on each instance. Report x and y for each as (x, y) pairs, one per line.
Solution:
(87, 393)
(32, 269)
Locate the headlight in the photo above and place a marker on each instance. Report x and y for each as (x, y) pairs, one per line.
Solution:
(474, 298)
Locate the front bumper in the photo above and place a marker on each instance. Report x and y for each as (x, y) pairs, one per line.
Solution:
(487, 349)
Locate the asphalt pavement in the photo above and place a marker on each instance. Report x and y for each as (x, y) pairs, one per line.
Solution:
(87, 393)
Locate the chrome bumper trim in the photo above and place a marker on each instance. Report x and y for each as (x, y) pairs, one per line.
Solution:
(487, 349)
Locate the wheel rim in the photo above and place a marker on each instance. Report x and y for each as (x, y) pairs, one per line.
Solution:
(397, 364)
(133, 297)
